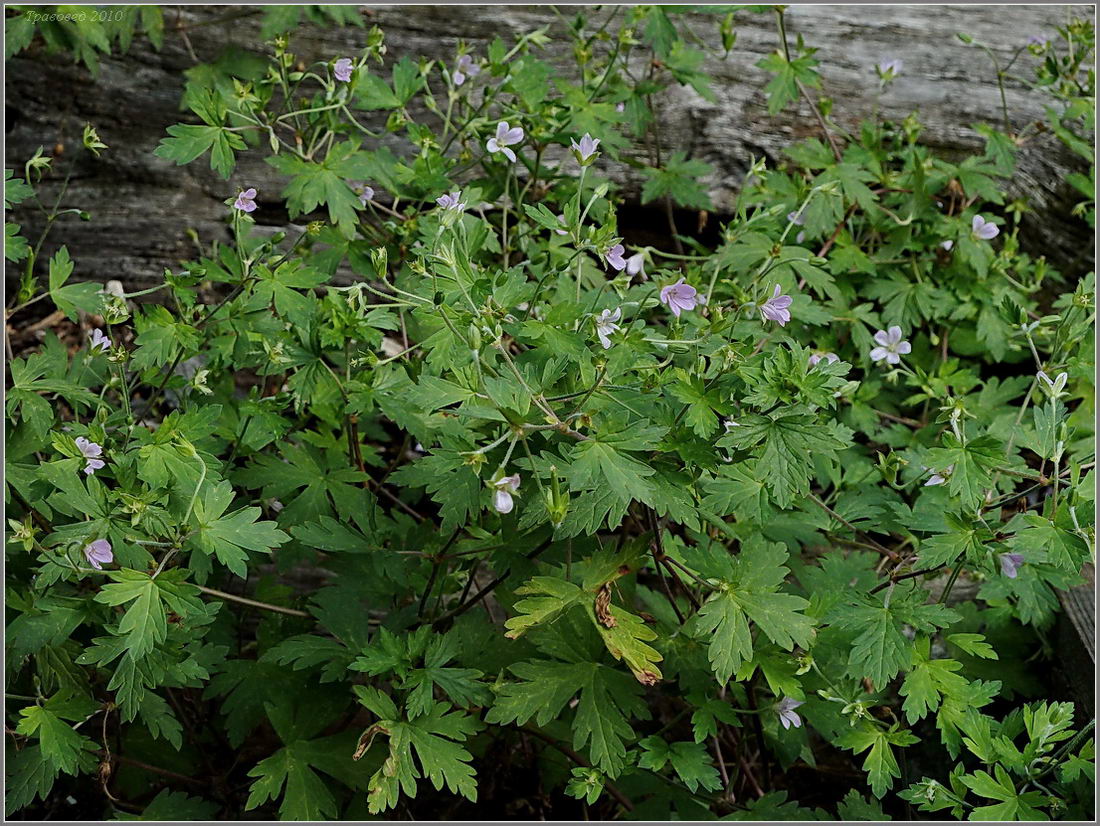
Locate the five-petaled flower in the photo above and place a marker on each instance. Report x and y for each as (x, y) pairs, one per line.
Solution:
(635, 265)
(342, 69)
(452, 200)
(829, 358)
(679, 297)
(100, 341)
(464, 68)
(947, 245)
(605, 325)
(504, 138)
(941, 477)
(364, 192)
(776, 308)
(98, 553)
(585, 151)
(1010, 564)
(891, 346)
(797, 218)
(785, 709)
(503, 490)
(90, 451)
(615, 258)
(981, 228)
(246, 200)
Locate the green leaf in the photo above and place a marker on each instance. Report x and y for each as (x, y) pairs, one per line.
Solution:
(71, 297)
(230, 536)
(880, 764)
(186, 143)
(144, 624)
(679, 180)
(608, 698)
(751, 592)
(789, 437)
(60, 744)
(307, 797)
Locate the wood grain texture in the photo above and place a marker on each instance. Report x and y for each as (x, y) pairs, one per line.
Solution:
(142, 206)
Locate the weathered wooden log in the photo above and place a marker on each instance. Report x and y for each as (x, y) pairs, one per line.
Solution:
(142, 206)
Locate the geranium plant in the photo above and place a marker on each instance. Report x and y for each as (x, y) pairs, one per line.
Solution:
(455, 494)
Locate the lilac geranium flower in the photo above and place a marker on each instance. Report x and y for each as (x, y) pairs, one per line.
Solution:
(615, 258)
(503, 490)
(829, 358)
(504, 138)
(891, 346)
(342, 69)
(90, 451)
(364, 192)
(947, 245)
(981, 228)
(776, 308)
(585, 151)
(797, 218)
(246, 200)
(1010, 564)
(635, 264)
(98, 553)
(452, 200)
(679, 297)
(606, 325)
(785, 709)
(939, 478)
(99, 341)
(464, 68)
(561, 218)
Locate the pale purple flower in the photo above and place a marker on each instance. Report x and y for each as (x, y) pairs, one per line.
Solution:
(452, 200)
(605, 325)
(796, 218)
(342, 69)
(829, 358)
(785, 709)
(939, 478)
(947, 245)
(1010, 564)
(891, 347)
(99, 341)
(1038, 40)
(586, 149)
(502, 496)
(504, 138)
(635, 264)
(98, 553)
(246, 200)
(364, 192)
(561, 218)
(889, 68)
(90, 451)
(620, 107)
(981, 228)
(615, 258)
(679, 297)
(464, 68)
(775, 308)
